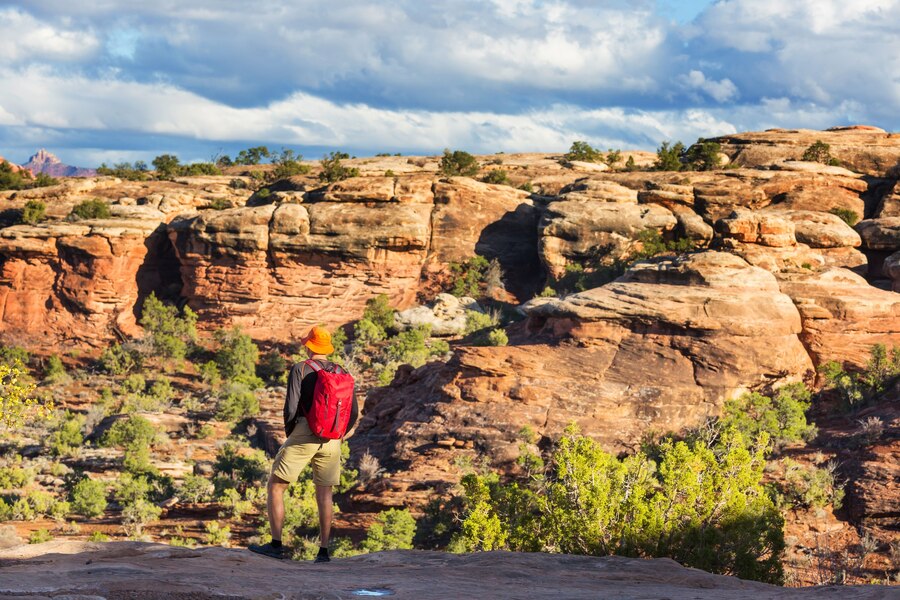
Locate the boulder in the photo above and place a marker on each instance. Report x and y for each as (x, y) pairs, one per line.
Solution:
(766, 229)
(822, 230)
(889, 205)
(718, 199)
(880, 234)
(598, 191)
(446, 315)
(669, 195)
(891, 269)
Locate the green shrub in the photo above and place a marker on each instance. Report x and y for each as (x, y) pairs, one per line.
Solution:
(527, 187)
(393, 529)
(458, 163)
(137, 460)
(236, 355)
(366, 333)
(98, 536)
(91, 209)
(236, 402)
(333, 170)
(857, 389)
(34, 212)
(252, 156)
(15, 477)
(171, 331)
(582, 151)
(22, 180)
(819, 152)
(166, 165)
(197, 169)
(497, 337)
(496, 176)
(195, 488)
(288, 164)
(133, 431)
(273, 368)
(782, 417)
(217, 534)
(409, 347)
(66, 437)
(54, 371)
(477, 321)
(89, 498)
(138, 514)
(136, 171)
(390, 173)
(134, 383)
(701, 505)
(39, 536)
(209, 372)
(613, 157)
(161, 391)
(117, 360)
(630, 165)
(847, 216)
(704, 155)
(244, 466)
(130, 488)
(379, 311)
(468, 277)
(669, 157)
(810, 486)
(14, 355)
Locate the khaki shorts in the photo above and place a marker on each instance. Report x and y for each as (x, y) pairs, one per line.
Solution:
(302, 448)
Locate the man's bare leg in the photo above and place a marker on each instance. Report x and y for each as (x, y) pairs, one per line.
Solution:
(275, 505)
(326, 513)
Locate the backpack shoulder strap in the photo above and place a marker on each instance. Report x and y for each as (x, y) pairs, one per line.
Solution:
(313, 364)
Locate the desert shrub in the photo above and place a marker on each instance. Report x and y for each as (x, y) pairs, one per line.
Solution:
(458, 162)
(252, 156)
(288, 164)
(54, 371)
(91, 209)
(21, 180)
(14, 355)
(137, 460)
(209, 373)
(409, 347)
(134, 383)
(138, 514)
(820, 152)
(668, 157)
(16, 401)
(89, 498)
(34, 212)
(166, 165)
(170, 330)
(130, 488)
(136, 171)
(390, 173)
(98, 536)
(393, 529)
(703, 505)
(703, 156)
(496, 176)
(236, 402)
(39, 536)
(200, 168)
(244, 467)
(161, 391)
(15, 477)
(236, 356)
(369, 468)
(66, 437)
(477, 320)
(195, 488)
(217, 534)
(379, 312)
(497, 337)
(366, 333)
(847, 216)
(583, 151)
(333, 170)
(133, 431)
(219, 204)
(811, 486)
(782, 417)
(630, 165)
(118, 360)
(612, 158)
(273, 368)
(857, 389)
(468, 276)
(45, 504)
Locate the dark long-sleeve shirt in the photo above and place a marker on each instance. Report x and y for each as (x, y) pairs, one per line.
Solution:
(300, 386)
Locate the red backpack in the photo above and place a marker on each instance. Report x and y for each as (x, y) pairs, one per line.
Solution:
(332, 401)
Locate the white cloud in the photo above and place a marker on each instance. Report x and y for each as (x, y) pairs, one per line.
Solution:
(25, 38)
(721, 91)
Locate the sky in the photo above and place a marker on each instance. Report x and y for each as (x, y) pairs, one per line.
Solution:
(122, 80)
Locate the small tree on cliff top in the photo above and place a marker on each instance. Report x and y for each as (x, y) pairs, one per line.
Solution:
(458, 162)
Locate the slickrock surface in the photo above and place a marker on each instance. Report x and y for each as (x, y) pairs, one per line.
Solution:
(121, 570)
(865, 149)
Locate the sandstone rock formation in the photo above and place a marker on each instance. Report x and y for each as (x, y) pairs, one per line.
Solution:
(863, 149)
(141, 570)
(446, 315)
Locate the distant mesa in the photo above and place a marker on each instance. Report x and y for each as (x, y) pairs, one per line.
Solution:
(47, 163)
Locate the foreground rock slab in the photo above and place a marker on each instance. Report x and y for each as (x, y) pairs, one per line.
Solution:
(141, 570)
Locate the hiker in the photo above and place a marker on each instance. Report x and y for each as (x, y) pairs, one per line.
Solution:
(311, 384)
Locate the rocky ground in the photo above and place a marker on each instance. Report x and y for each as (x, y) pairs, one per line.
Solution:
(779, 283)
(134, 570)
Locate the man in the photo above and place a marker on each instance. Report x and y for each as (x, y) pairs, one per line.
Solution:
(302, 447)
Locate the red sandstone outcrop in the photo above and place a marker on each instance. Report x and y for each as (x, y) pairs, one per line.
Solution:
(141, 570)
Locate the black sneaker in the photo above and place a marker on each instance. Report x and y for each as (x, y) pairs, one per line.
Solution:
(322, 557)
(268, 550)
